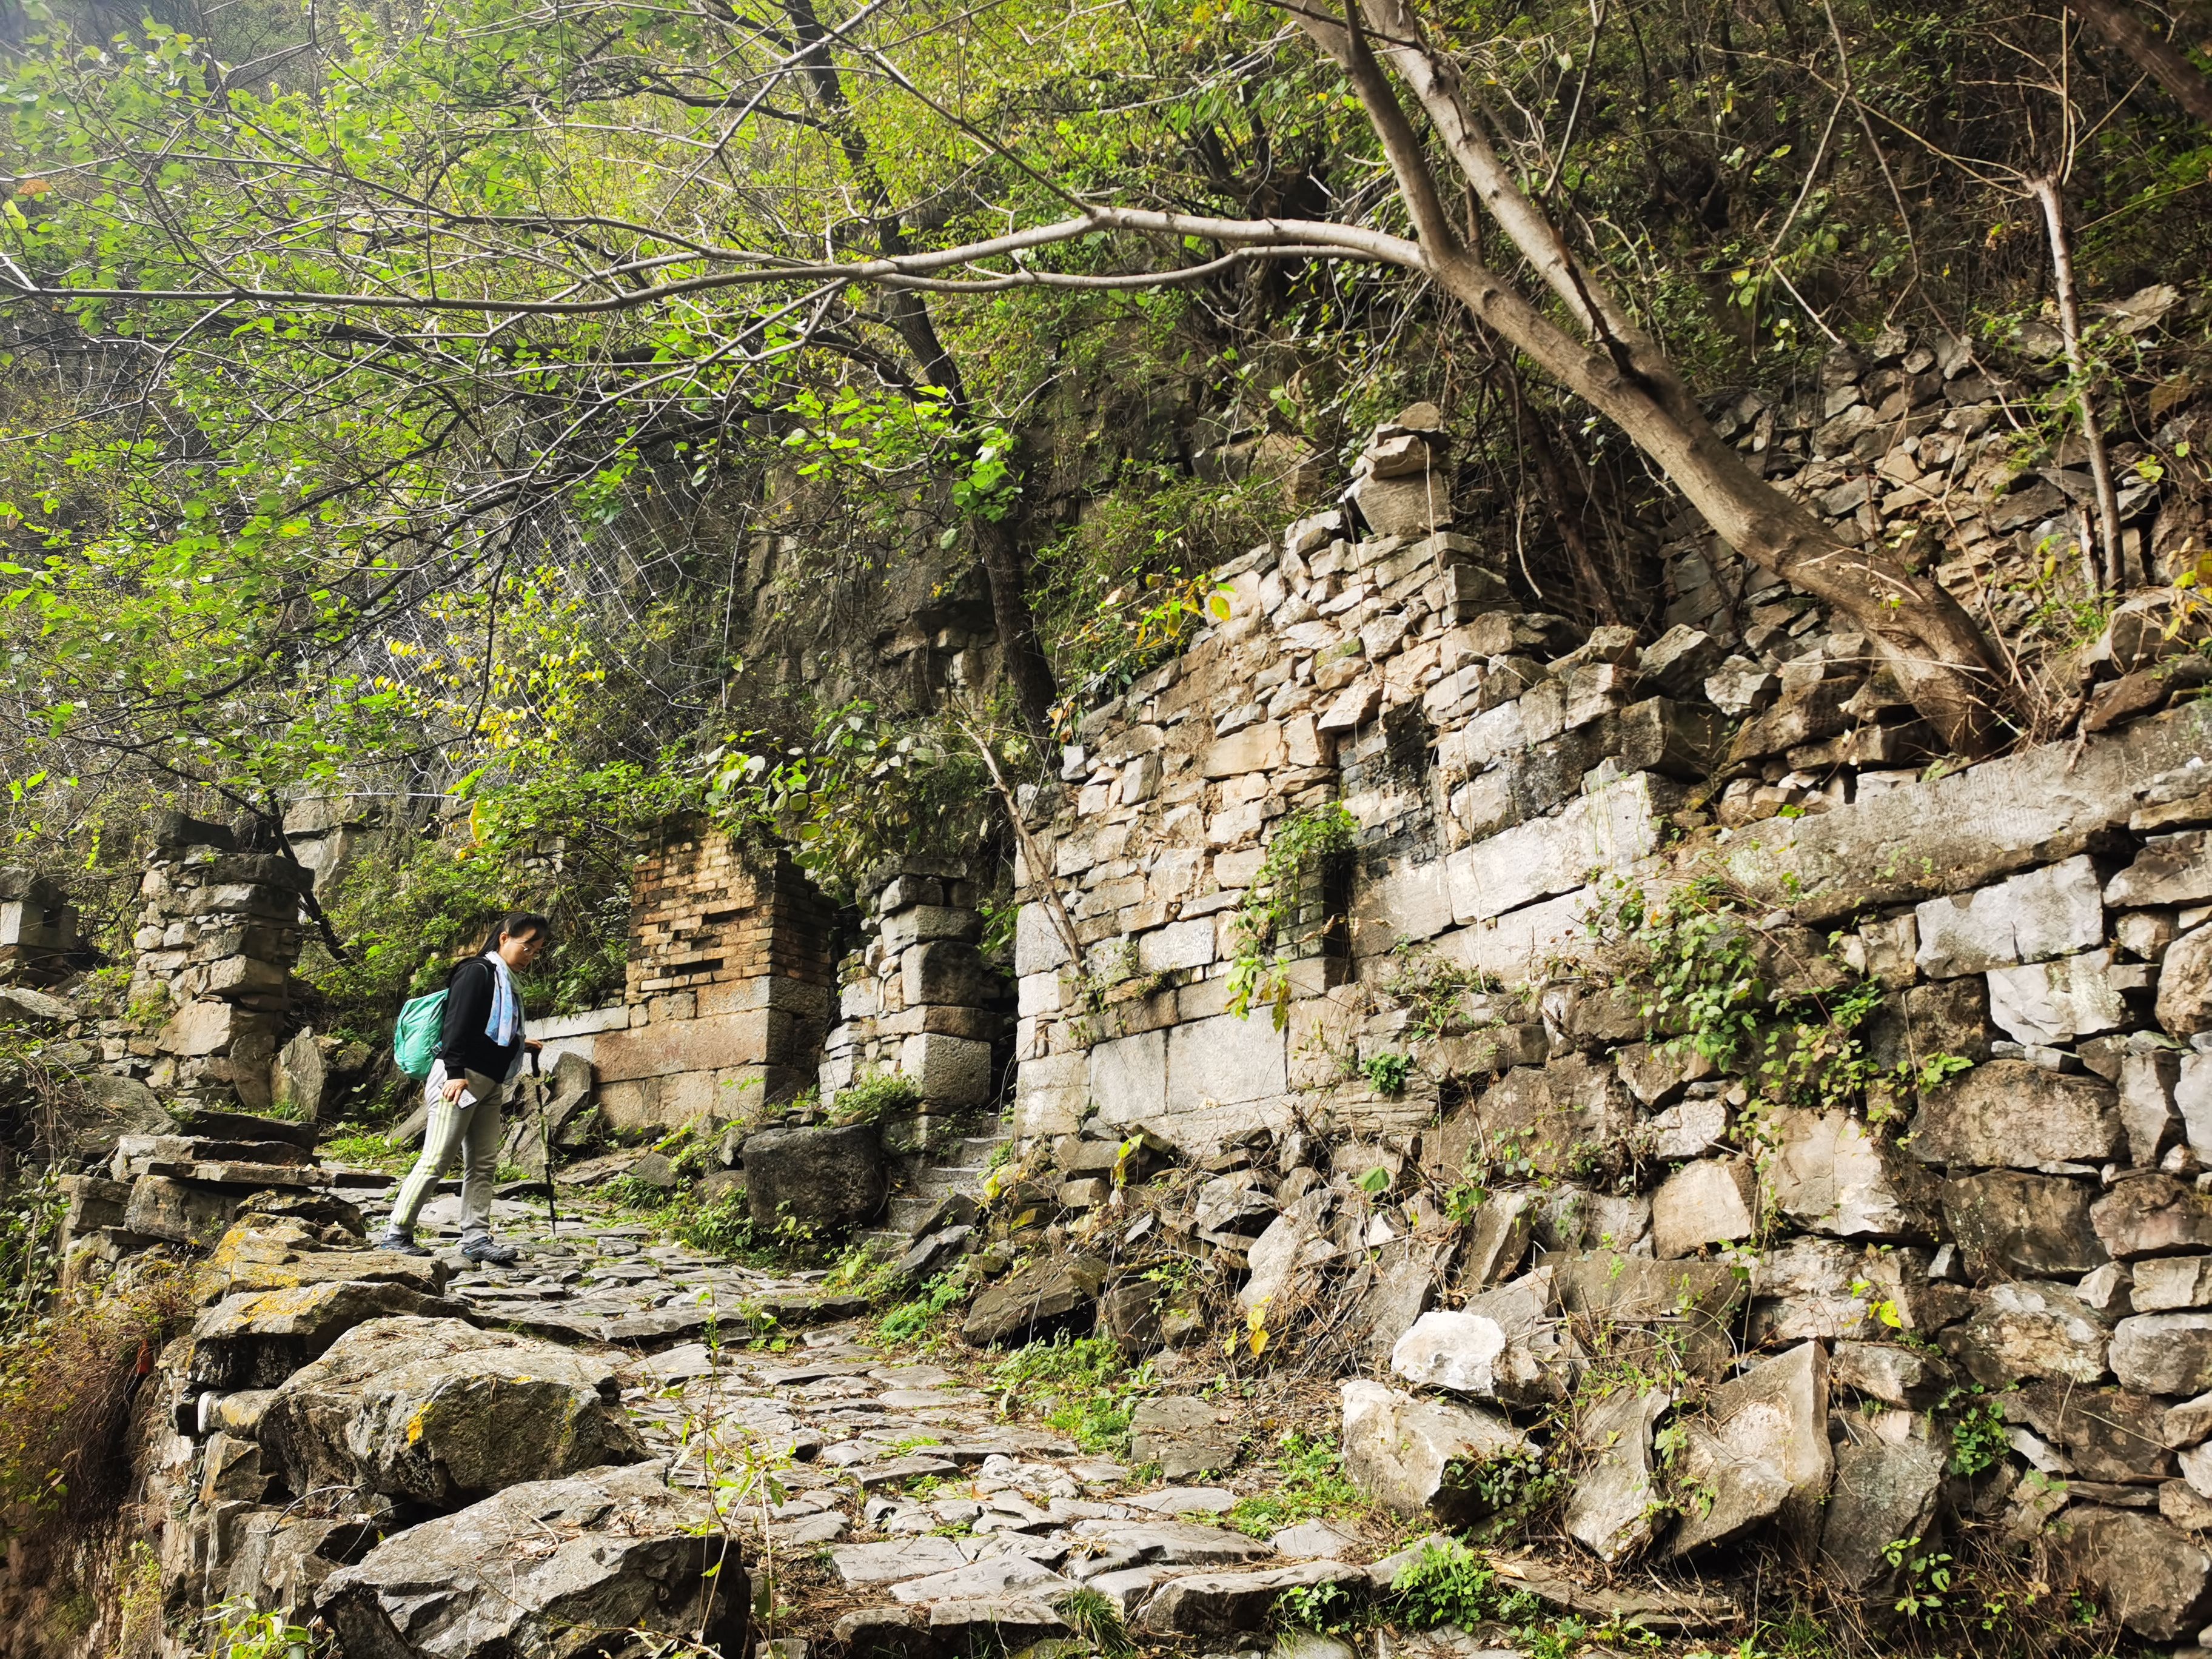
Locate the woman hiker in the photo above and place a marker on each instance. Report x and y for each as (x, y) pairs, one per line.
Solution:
(480, 1049)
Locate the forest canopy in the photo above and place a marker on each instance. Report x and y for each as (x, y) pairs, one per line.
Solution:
(550, 401)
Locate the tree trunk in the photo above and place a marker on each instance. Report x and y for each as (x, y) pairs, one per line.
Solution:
(1940, 659)
(2160, 60)
(1019, 652)
(2046, 193)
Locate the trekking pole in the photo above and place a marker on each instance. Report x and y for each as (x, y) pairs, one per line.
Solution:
(545, 1151)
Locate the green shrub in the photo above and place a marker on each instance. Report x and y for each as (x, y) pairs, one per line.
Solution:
(1080, 1385)
(872, 1098)
(1451, 1585)
(910, 1319)
(1309, 1483)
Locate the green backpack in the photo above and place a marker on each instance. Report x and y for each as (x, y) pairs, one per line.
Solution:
(415, 1038)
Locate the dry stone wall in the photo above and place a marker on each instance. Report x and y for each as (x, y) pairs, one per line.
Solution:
(1978, 1166)
(918, 999)
(728, 987)
(217, 942)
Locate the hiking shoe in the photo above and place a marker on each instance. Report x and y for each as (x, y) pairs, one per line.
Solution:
(489, 1252)
(399, 1243)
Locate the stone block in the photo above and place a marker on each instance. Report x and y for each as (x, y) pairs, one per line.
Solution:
(1614, 1510)
(947, 971)
(2032, 1328)
(1225, 1060)
(1706, 1202)
(1762, 1452)
(1829, 1173)
(2146, 1214)
(1504, 1345)
(1412, 902)
(1180, 945)
(1051, 1094)
(1420, 1457)
(950, 1071)
(2009, 1224)
(2174, 869)
(2162, 1284)
(2052, 912)
(2015, 1113)
(2168, 1353)
(1259, 748)
(1553, 1114)
(1635, 1308)
(931, 921)
(828, 1178)
(183, 1211)
(2156, 1581)
(1608, 831)
(2059, 1000)
(2185, 984)
(2148, 1109)
(1185, 1435)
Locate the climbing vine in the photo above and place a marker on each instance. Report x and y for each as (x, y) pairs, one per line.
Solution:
(1280, 918)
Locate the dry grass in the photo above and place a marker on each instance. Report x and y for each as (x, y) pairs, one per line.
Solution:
(66, 1390)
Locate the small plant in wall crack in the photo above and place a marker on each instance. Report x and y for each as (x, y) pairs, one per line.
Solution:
(1279, 917)
(1385, 1073)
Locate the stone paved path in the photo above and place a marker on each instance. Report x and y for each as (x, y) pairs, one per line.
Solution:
(902, 1501)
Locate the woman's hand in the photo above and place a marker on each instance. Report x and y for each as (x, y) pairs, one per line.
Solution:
(455, 1086)
(533, 1045)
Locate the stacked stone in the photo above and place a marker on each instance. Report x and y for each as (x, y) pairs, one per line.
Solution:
(727, 984)
(38, 927)
(918, 999)
(216, 943)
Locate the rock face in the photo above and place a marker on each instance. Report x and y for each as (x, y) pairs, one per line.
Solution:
(826, 1178)
(437, 1411)
(1763, 1452)
(558, 1568)
(1415, 1455)
(256, 1340)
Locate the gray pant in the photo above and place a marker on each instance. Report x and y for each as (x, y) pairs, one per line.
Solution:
(473, 1131)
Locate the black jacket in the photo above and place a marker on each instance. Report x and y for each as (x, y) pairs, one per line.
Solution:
(462, 1043)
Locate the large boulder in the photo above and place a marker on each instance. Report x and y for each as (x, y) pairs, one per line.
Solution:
(443, 1414)
(2012, 1113)
(610, 1561)
(256, 1339)
(828, 1179)
(281, 1253)
(1761, 1453)
(1420, 1457)
(1046, 1293)
(2155, 1581)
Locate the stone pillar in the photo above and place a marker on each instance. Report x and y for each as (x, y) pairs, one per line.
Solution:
(38, 927)
(918, 999)
(216, 944)
(728, 985)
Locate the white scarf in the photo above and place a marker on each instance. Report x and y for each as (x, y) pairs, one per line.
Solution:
(506, 1021)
